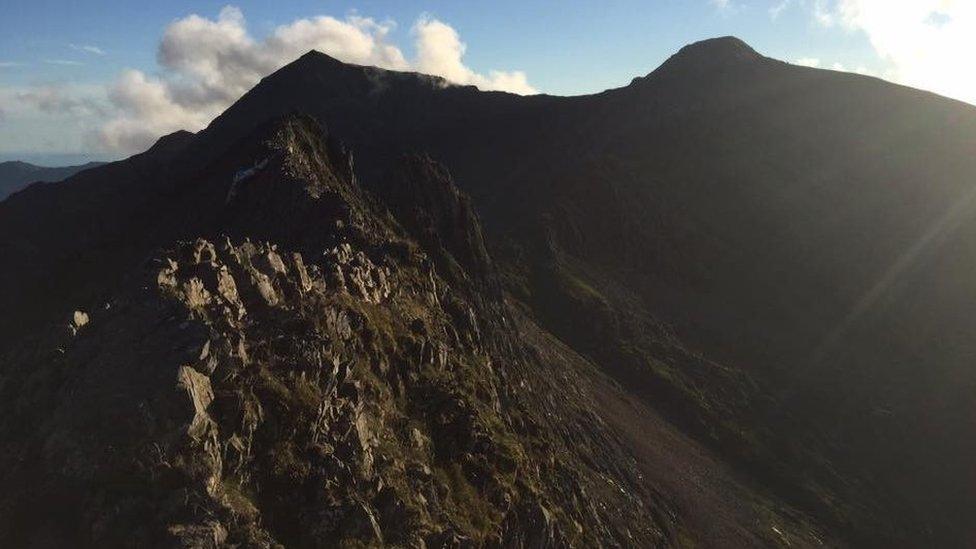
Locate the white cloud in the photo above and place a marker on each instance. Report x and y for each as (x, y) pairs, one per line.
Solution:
(926, 43)
(440, 51)
(778, 8)
(87, 49)
(64, 62)
(58, 99)
(147, 111)
(208, 63)
(10, 64)
(860, 69)
(720, 4)
(358, 40)
(52, 116)
(817, 63)
(822, 13)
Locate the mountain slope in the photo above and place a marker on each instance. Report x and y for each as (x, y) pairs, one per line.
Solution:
(293, 377)
(16, 175)
(805, 227)
(776, 258)
(341, 384)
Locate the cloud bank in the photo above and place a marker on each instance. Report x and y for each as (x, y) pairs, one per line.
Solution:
(206, 64)
(60, 100)
(926, 43)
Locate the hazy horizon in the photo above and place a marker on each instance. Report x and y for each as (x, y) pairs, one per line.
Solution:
(57, 160)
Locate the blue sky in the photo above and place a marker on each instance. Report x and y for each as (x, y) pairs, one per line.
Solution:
(88, 79)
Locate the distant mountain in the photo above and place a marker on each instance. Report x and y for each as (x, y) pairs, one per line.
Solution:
(729, 304)
(16, 175)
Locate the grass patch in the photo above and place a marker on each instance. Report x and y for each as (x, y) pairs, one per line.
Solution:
(471, 511)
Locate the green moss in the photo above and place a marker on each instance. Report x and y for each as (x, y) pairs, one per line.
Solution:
(275, 386)
(234, 497)
(579, 290)
(285, 461)
(306, 392)
(470, 510)
(683, 538)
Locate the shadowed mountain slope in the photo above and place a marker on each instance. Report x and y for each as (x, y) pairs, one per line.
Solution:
(305, 373)
(778, 259)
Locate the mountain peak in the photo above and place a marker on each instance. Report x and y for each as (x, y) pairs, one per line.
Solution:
(723, 45)
(712, 54)
(317, 56)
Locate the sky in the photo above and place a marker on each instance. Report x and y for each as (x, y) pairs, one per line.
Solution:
(103, 79)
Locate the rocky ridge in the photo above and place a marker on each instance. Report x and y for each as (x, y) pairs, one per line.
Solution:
(241, 391)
